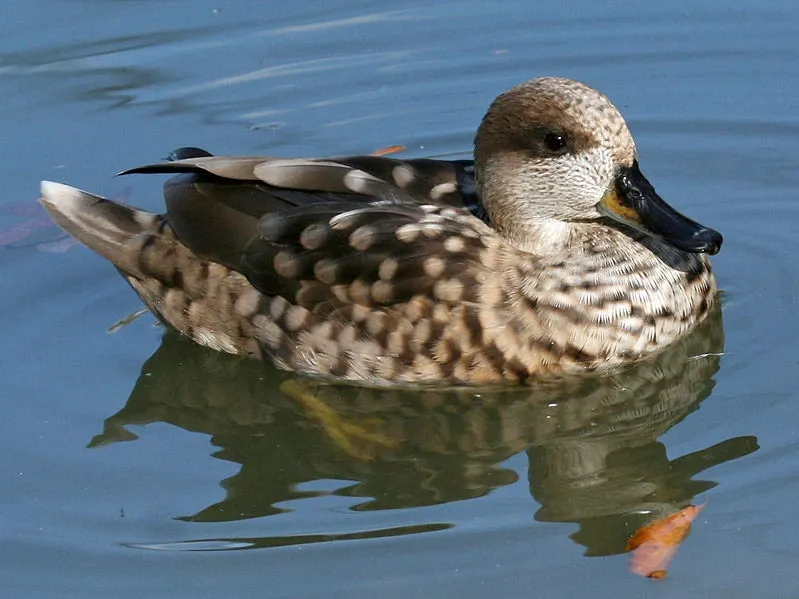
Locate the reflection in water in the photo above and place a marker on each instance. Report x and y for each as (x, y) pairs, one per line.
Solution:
(592, 442)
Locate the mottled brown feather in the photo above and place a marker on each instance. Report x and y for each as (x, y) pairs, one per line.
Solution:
(381, 270)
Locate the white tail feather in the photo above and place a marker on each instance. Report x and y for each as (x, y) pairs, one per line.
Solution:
(103, 225)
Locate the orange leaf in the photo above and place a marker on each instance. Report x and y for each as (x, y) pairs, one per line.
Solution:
(653, 546)
(388, 150)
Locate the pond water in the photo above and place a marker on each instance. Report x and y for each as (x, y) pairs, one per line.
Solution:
(136, 464)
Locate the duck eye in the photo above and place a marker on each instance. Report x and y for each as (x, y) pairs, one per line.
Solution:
(556, 142)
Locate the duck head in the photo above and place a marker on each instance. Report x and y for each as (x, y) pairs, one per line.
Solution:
(551, 152)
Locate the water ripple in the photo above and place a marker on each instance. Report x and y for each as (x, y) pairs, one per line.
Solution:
(237, 544)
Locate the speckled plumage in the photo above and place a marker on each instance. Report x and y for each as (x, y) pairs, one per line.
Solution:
(379, 270)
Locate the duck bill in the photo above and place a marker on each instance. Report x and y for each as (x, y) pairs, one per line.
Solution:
(633, 201)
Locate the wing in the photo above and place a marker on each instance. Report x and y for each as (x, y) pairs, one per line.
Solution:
(215, 204)
(339, 254)
(360, 178)
(325, 233)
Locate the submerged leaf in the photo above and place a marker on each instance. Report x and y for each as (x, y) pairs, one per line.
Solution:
(653, 546)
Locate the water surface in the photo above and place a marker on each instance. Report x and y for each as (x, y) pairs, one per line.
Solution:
(138, 464)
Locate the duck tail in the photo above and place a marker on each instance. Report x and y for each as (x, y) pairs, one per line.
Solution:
(101, 224)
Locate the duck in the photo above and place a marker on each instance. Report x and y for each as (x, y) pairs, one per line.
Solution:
(548, 255)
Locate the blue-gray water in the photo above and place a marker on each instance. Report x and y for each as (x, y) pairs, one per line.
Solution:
(202, 479)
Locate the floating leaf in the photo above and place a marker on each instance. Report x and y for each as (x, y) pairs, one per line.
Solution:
(653, 546)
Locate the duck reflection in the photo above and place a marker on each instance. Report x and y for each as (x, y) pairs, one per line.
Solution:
(594, 458)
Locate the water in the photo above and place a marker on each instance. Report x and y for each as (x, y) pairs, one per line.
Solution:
(137, 464)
